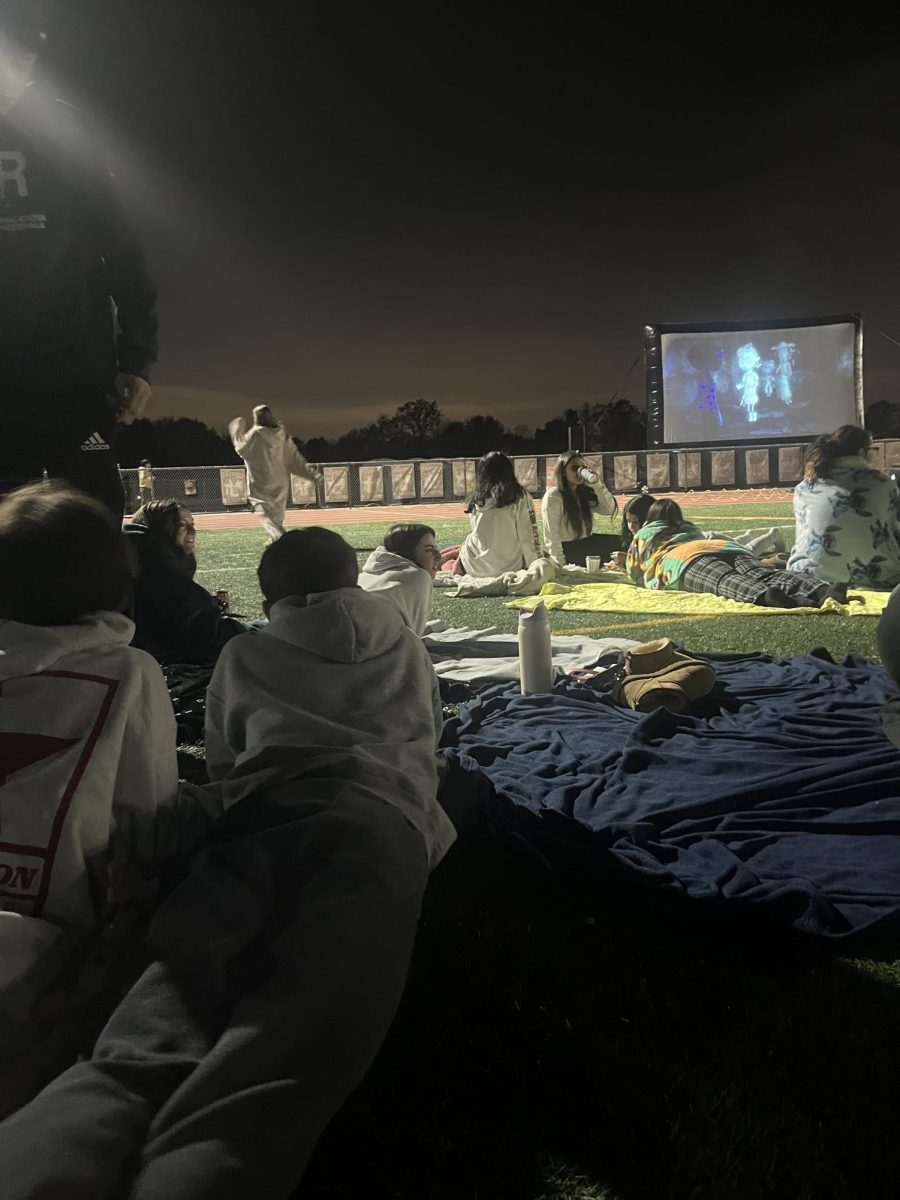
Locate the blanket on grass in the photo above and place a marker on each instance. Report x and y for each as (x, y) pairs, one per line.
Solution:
(626, 598)
(482, 656)
(527, 582)
(789, 805)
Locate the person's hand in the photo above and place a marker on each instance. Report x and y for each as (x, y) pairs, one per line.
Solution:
(616, 560)
(134, 393)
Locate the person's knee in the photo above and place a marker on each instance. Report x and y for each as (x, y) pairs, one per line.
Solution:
(889, 636)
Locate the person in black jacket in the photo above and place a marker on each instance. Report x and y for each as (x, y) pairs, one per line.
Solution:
(77, 308)
(176, 620)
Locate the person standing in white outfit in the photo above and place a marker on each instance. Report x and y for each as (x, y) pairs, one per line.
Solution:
(504, 534)
(270, 457)
(568, 511)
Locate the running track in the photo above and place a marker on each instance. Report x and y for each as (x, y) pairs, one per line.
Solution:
(389, 514)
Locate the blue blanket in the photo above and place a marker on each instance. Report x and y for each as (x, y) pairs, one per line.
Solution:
(790, 803)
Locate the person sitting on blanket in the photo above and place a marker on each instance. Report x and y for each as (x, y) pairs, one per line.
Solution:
(847, 514)
(568, 509)
(176, 620)
(634, 516)
(672, 553)
(403, 571)
(87, 737)
(282, 957)
(504, 535)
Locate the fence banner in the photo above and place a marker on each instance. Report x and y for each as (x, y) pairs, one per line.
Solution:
(371, 485)
(756, 466)
(431, 480)
(303, 491)
(659, 472)
(625, 472)
(721, 468)
(463, 477)
(337, 485)
(690, 468)
(527, 473)
(233, 482)
(403, 481)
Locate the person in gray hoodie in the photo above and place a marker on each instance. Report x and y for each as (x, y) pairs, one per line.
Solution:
(281, 959)
(403, 571)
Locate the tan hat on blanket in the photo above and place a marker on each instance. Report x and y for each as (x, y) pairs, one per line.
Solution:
(657, 676)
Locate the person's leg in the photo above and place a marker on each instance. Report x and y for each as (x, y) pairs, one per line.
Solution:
(249, 1032)
(87, 460)
(600, 545)
(889, 636)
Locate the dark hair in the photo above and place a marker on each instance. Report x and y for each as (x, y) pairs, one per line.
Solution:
(63, 555)
(403, 539)
(161, 519)
(306, 560)
(849, 439)
(578, 501)
(495, 479)
(667, 511)
(638, 506)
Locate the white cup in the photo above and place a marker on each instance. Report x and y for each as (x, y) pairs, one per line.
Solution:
(593, 563)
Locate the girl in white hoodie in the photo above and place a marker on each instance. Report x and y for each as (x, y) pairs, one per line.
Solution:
(504, 535)
(403, 571)
(568, 510)
(87, 733)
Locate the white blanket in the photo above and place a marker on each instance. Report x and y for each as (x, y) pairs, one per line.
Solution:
(528, 582)
(479, 656)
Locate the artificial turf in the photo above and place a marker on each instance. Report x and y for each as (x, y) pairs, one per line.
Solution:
(559, 1040)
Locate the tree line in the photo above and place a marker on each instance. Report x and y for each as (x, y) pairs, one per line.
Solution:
(417, 429)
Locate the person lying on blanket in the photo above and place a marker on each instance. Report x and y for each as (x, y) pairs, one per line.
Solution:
(634, 516)
(280, 960)
(88, 770)
(403, 570)
(672, 553)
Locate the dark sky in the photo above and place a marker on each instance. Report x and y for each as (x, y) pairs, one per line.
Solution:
(347, 206)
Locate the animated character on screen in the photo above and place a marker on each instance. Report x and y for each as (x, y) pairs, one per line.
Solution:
(767, 370)
(748, 360)
(707, 359)
(785, 370)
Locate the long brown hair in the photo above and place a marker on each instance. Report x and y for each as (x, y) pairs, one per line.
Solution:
(576, 500)
(847, 440)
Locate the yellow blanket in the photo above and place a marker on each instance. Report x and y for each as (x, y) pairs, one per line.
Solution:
(625, 598)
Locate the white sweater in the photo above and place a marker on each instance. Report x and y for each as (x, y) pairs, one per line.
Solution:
(501, 539)
(336, 688)
(407, 586)
(556, 526)
(270, 457)
(88, 770)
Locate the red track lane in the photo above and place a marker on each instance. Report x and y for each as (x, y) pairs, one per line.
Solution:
(389, 514)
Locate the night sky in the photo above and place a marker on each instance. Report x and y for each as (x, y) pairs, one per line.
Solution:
(347, 206)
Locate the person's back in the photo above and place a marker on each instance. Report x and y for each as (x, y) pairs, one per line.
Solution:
(87, 732)
(848, 525)
(335, 686)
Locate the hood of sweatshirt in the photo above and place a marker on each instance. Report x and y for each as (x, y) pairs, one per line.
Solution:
(27, 649)
(347, 625)
(385, 562)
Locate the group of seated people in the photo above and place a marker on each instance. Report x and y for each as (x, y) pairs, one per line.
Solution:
(321, 821)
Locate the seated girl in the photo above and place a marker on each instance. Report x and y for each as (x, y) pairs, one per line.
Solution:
(504, 534)
(176, 620)
(847, 514)
(403, 571)
(568, 510)
(87, 735)
(672, 553)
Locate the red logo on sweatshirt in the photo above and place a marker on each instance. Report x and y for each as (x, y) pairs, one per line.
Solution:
(20, 750)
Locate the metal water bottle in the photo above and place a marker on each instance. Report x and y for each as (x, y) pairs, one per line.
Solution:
(536, 670)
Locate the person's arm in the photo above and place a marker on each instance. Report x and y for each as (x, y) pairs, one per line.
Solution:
(421, 594)
(526, 529)
(634, 568)
(221, 752)
(607, 505)
(551, 518)
(296, 464)
(237, 431)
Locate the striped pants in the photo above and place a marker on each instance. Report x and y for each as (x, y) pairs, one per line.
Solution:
(743, 577)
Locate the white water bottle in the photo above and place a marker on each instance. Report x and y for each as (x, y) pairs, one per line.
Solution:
(587, 475)
(535, 651)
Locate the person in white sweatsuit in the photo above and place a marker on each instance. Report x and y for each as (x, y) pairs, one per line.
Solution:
(282, 957)
(503, 529)
(88, 769)
(270, 457)
(403, 570)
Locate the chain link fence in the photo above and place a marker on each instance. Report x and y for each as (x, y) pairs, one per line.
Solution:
(443, 480)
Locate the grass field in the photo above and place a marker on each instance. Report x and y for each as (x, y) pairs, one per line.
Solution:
(560, 1041)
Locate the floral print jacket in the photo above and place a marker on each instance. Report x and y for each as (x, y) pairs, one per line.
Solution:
(848, 526)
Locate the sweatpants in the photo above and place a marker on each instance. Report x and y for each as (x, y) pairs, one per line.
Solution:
(271, 517)
(280, 962)
(743, 577)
